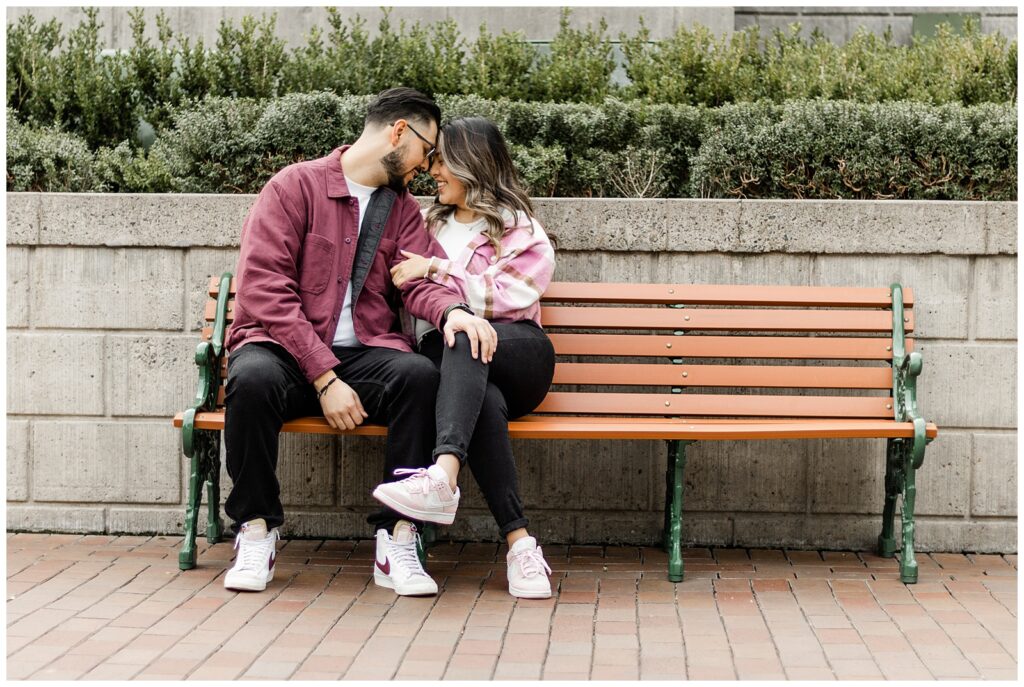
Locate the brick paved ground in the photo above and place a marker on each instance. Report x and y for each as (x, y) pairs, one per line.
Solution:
(104, 607)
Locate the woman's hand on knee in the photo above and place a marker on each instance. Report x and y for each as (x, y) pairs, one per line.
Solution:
(483, 340)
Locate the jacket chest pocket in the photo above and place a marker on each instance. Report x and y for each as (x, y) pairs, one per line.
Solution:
(317, 263)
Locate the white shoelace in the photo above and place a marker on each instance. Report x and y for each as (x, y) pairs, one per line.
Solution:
(405, 555)
(419, 481)
(255, 553)
(532, 562)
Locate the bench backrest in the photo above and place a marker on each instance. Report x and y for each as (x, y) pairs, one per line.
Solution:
(660, 350)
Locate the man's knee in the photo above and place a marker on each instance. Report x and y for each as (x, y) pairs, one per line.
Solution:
(254, 377)
(416, 373)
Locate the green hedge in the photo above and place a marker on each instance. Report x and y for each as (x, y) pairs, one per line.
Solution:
(797, 149)
(69, 82)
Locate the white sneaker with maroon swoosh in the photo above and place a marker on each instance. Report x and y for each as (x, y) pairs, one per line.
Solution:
(254, 562)
(397, 565)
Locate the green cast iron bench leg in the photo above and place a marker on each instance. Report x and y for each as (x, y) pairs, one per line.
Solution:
(214, 525)
(205, 471)
(893, 487)
(674, 508)
(908, 564)
(187, 555)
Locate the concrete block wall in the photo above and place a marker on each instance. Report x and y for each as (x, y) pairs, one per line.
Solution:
(840, 23)
(294, 23)
(104, 294)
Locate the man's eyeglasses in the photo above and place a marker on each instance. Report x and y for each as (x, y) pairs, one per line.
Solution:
(433, 146)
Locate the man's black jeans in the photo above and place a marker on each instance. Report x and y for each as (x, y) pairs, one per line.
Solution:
(475, 401)
(265, 388)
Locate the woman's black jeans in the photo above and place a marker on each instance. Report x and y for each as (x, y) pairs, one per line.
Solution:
(475, 401)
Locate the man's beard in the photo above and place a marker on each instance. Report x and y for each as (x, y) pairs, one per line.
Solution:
(392, 164)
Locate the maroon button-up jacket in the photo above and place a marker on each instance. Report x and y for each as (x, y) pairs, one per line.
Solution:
(298, 248)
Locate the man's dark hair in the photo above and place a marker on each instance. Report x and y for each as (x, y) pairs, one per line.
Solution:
(402, 103)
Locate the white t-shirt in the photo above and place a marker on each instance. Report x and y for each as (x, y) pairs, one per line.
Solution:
(345, 334)
(453, 236)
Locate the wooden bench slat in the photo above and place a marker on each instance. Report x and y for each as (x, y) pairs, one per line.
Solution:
(771, 347)
(753, 376)
(708, 319)
(560, 427)
(700, 319)
(697, 294)
(757, 347)
(210, 311)
(741, 376)
(559, 402)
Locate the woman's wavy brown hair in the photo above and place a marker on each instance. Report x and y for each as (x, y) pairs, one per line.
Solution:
(476, 154)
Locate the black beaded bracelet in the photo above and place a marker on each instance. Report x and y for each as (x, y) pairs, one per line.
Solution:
(323, 389)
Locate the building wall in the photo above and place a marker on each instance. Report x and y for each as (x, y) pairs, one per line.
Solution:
(839, 24)
(294, 23)
(104, 295)
(537, 23)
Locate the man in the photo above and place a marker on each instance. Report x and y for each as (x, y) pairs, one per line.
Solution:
(316, 328)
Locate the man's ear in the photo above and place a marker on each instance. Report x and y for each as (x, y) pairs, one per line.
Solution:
(395, 131)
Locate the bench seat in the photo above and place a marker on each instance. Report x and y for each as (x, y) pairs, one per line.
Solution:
(570, 427)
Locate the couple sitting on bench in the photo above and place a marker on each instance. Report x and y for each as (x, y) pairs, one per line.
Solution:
(331, 250)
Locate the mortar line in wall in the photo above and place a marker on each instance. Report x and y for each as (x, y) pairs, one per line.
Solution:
(100, 331)
(106, 382)
(31, 258)
(972, 298)
(184, 296)
(970, 477)
(29, 463)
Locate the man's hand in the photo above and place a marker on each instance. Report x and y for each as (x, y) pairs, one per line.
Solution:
(341, 405)
(482, 337)
(413, 267)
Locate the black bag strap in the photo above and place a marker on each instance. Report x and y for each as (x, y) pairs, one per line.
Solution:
(381, 202)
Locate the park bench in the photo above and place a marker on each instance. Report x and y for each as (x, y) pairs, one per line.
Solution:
(679, 363)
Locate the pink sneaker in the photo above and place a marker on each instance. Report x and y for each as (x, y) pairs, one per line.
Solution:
(528, 571)
(425, 495)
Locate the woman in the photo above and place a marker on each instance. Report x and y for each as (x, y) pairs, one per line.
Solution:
(500, 260)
